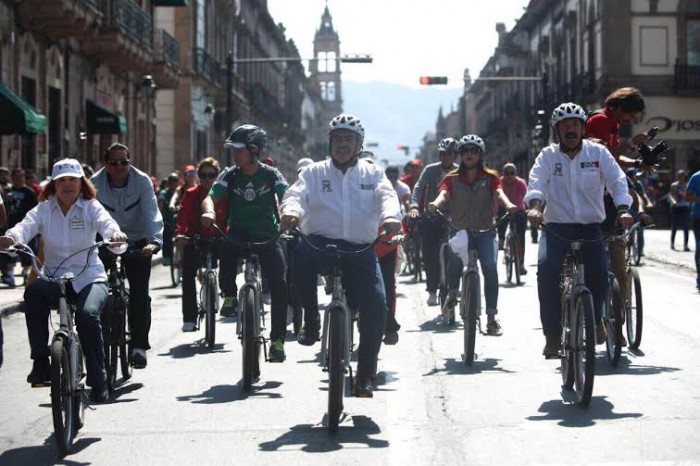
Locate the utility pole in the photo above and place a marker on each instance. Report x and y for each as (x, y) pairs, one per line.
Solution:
(229, 99)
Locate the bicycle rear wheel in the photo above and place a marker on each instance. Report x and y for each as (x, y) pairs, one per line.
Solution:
(636, 250)
(111, 346)
(336, 367)
(62, 399)
(517, 258)
(634, 311)
(124, 338)
(613, 324)
(210, 306)
(417, 267)
(584, 348)
(469, 305)
(508, 257)
(175, 268)
(250, 345)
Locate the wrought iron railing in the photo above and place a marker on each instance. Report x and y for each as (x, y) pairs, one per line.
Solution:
(206, 66)
(132, 21)
(166, 48)
(686, 76)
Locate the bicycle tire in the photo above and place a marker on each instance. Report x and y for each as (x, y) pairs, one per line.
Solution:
(634, 321)
(470, 298)
(613, 324)
(517, 259)
(110, 345)
(78, 405)
(417, 271)
(408, 250)
(61, 397)
(636, 251)
(210, 311)
(248, 339)
(567, 358)
(336, 368)
(175, 273)
(584, 350)
(508, 253)
(125, 339)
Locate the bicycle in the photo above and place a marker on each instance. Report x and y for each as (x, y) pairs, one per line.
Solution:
(577, 323)
(176, 267)
(251, 314)
(634, 251)
(634, 311)
(513, 254)
(295, 312)
(612, 311)
(67, 361)
(337, 335)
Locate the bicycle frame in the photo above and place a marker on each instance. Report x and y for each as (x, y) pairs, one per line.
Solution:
(337, 304)
(253, 283)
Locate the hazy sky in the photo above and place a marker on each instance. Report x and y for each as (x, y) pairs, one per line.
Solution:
(407, 39)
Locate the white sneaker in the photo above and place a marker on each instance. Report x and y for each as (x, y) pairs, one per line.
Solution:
(320, 281)
(189, 327)
(432, 299)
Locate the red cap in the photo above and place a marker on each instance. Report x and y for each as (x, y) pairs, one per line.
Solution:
(190, 168)
(416, 163)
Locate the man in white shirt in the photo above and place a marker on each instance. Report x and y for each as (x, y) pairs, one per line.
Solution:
(570, 177)
(343, 201)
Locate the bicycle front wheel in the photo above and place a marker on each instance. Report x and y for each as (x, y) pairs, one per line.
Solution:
(250, 345)
(584, 347)
(508, 257)
(175, 268)
(470, 306)
(336, 368)
(613, 324)
(567, 358)
(517, 258)
(124, 338)
(636, 251)
(417, 266)
(210, 304)
(634, 311)
(111, 346)
(62, 399)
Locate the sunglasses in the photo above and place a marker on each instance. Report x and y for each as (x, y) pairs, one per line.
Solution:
(116, 163)
(208, 176)
(509, 173)
(470, 150)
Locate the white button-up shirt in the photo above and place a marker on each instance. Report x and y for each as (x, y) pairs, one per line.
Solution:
(348, 206)
(64, 235)
(573, 188)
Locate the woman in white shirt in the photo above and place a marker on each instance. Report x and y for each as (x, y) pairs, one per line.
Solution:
(68, 217)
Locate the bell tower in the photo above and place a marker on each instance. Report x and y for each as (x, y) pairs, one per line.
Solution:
(325, 68)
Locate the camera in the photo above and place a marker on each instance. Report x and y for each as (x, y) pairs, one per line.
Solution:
(652, 155)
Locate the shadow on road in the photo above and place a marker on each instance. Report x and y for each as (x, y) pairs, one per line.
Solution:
(46, 454)
(570, 415)
(122, 390)
(457, 366)
(162, 287)
(188, 350)
(437, 325)
(352, 430)
(229, 393)
(627, 367)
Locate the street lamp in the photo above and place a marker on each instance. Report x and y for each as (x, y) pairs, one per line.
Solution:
(148, 89)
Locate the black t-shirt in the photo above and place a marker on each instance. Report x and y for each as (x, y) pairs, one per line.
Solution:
(21, 200)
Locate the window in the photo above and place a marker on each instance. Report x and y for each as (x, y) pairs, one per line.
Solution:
(693, 41)
(322, 63)
(330, 92)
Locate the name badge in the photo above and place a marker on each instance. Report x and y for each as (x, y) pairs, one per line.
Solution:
(77, 223)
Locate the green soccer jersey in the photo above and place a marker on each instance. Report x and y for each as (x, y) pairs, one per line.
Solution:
(252, 207)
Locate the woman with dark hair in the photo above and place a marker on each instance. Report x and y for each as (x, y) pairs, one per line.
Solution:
(68, 217)
(470, 191)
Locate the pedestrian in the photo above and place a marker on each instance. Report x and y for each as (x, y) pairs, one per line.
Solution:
(692, 195)
(30, 177)
(680, 209)
(22, 200)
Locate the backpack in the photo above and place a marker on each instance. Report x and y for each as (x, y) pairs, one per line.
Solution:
(271, 176)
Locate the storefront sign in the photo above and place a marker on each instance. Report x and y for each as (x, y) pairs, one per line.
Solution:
(676, 117)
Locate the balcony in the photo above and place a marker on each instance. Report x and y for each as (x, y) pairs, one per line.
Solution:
(166, 60)
(207, 67)
(686, 77)
(62, 18)
(125, 41)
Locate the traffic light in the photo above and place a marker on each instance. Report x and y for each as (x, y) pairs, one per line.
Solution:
(430, 80)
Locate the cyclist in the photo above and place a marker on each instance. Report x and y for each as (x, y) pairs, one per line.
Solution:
(169, 216)
(344, 200)
(471, 191)
(190, 179)
(68, 218)
(426, 190)
(413, 171)
(127, 194)
(402, 190)
(570, 176)
(250, 189)
(692, 196)
(189, 225)
(515, 189)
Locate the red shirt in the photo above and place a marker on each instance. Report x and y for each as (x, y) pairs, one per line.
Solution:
(604, 127)
(188, 217)
(447, 183)
(409, 180)
(515, 191)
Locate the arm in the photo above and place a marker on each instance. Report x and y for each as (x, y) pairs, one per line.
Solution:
(388, 200)
(504, 201)
(692, 190)
(105, 224)
(616, 183)
(175, 200)
(535, 195)
(185, 214)
(294, 202)
(27, 229)
(672, 193)
(442, 198)
(153, 220)
(418, 188)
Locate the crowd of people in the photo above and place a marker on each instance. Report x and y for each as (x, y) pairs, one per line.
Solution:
(585, 184)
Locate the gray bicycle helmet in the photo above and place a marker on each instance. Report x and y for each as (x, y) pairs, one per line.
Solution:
(472, 139)
(349, 122)
(568, 110)
(447, 145)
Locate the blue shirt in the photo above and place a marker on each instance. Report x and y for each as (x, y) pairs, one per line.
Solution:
(694, 187)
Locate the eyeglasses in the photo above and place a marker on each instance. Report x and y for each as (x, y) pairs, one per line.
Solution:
(470, 150)
(116, 163)
(341, 139)
(189, 174)
(208, 176)
(509, 173)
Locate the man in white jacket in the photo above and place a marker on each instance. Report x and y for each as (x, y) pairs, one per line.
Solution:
(343, 201)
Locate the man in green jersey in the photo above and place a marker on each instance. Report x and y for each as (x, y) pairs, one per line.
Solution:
(251, 190)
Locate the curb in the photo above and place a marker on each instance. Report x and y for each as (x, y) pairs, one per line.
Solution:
(663, 261)
(10, 308)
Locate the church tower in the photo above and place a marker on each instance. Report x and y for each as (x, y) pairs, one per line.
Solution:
(325, 68)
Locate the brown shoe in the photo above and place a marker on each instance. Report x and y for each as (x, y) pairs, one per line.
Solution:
(600, 333)
(552, 347)
(364, 387)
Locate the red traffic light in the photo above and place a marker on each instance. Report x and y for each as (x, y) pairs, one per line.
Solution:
(430, 80)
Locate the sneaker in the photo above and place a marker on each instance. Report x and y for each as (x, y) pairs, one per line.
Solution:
(552, 347)
(432, 298)
(621, 340)
(138, 358)
(40, 376)
(364, 387)
(189, 327)
(320, 281)
(673, 248)
(308, 335)
(523, 270)
(493, 328)
(600, 333)
(277, 351)
(448, 309)
(686, 249)
(167, 261)
(99, 394)
(266, 298)
(391, 331)
(229, 307)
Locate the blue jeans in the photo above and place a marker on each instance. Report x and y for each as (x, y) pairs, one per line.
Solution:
(550, 261)
(487, 251)
(363, 282)
(41, 295)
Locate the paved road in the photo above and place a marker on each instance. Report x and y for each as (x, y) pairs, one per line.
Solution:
(187, 406)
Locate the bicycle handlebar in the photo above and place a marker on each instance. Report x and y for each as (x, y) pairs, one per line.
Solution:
(333, 248)
(247, 244)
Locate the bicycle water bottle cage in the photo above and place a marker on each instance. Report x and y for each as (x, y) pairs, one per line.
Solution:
(652, 155)
(331, 248)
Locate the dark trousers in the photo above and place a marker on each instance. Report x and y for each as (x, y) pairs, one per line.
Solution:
(168, 232)
(487, 253)
(41, 295)
(387, 264)
(431, 233)
(138, 273)
(550, 261)
(680, 218)
(272, 263)
(696, 233)
(362, 280)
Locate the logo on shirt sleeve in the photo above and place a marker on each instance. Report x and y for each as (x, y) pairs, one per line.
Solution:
(326, 186)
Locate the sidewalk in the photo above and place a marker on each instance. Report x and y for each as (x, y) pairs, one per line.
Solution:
(657, 248)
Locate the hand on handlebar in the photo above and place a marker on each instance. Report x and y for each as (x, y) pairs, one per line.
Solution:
(207, 219)
(431, 207)
(535, 217)
(413, 212)
(288, 221)
(512, 208)
(646, 219)
(6, 242)
(391, 226)
(119, 237)
(148, 250)
(625, 220)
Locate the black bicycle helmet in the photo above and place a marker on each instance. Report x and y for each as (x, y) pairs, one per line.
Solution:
(248, 136)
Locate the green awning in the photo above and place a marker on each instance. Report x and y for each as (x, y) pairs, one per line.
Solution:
(99, 120)
(17, 116)
(169, 2)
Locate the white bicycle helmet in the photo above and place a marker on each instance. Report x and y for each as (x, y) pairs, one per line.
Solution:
(349, 122)
(471, 139)
(568, 110)
(446, 145)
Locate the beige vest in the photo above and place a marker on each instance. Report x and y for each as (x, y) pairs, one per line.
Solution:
(470, 207)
